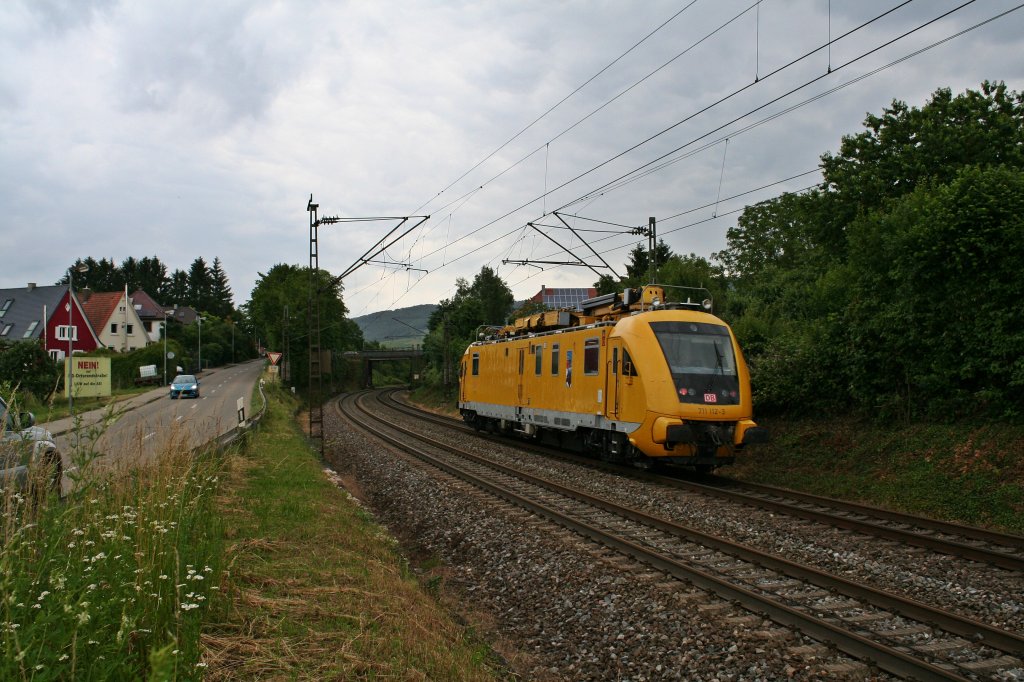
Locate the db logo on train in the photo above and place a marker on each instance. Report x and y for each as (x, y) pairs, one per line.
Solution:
(711, 397)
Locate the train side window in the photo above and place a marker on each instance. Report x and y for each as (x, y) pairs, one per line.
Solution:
(615, 360)
(554, 358)
(538, 362)
(627, 364)
(476, 364)
(591, 356)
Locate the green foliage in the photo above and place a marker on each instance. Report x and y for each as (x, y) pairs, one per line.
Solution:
(454, 324)
(941, 313)
(203, 287)
(278, 309)
(124, 367)
(963, 473)
(894, 290)
(27, 364)
(115, 583)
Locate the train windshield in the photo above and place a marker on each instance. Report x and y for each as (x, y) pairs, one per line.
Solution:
(701, 360)
(696, 347)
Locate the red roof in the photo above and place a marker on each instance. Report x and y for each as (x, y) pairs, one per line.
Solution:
(100, 306)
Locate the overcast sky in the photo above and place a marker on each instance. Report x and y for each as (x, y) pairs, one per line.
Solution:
(185, 129)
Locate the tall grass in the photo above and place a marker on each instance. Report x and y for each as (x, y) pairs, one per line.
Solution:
(114, 581)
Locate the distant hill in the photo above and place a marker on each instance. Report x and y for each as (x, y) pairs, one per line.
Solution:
(384, 328)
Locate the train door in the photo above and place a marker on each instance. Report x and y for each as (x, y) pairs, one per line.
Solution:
(612, 375)
(519, 377)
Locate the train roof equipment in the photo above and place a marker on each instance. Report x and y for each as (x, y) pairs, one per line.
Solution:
(603, 308)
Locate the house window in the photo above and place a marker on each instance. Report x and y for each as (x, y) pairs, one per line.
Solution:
(476, 364)
(113, 327)
(31, 328)
(6, 330)
(130, 329)
(62, 332)
(6, 306)
(538, 364)
(591, 356)
(554, 358)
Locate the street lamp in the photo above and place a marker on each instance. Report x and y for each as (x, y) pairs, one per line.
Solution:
(71, 335)
(165, 345)
(199, 321)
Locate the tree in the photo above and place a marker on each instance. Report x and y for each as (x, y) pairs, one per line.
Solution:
(906, 146)
(177, 290)
(638, 267)
(934, 320)
(27, 364)
(454, 323)
(494, 295)
(221, 291)
(851, 296)
(200, 286)
(278, 310)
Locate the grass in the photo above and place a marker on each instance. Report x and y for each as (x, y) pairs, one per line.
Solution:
(316, 589)
(114, 582)
(57, 406)
(971, 474)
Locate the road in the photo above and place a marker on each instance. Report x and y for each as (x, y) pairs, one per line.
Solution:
(152, 423)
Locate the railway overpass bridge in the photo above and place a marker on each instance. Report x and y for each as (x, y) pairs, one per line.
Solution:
(367, 358)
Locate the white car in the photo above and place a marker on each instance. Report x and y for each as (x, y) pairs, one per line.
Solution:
(27, 449)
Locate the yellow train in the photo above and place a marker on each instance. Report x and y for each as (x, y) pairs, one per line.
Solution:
(626, 377)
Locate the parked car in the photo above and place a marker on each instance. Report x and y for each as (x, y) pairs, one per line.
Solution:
(27, 451)
(185, 386)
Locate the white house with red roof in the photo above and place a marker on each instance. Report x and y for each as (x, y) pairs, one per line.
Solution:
(114, 318)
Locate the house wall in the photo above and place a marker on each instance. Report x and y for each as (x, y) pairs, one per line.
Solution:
(118, 340)
(86, 342)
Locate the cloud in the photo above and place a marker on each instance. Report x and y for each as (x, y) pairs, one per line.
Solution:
(201, 129)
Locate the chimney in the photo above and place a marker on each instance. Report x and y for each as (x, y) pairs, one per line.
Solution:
(31, 286)
(84, 294)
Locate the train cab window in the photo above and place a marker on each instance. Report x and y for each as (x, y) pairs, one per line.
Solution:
(591, 356)
(476, 364)
(628, 368)
(538, 363)
(615, 360)
(554, 358)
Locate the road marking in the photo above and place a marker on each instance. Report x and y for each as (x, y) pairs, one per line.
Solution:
(178, 418)
(148, 436)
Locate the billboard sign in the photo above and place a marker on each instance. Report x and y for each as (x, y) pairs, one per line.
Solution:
(91, 377)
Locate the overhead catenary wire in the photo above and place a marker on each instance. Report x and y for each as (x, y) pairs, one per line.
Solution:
(603, 105)
(593, 193)
(702, 110)
(560, 102)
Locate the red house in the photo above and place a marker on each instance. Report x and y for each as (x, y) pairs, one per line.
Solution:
(82, 338)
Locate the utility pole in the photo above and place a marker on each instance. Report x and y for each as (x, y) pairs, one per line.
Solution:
(286, 362)
(447, 358)
(652, 248)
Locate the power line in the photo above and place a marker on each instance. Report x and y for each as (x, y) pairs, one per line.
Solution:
(590, 194)
(691, 116)
(559, 103)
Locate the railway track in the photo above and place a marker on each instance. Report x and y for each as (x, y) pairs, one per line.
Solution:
(979, 545)
(900, 636)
